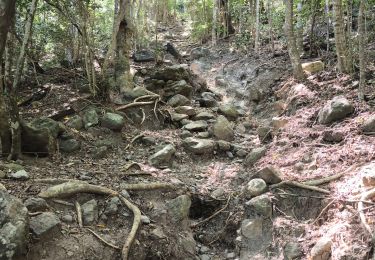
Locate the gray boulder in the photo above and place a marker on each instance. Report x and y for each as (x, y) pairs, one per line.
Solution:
(175, 73)
(336, 109)
(163, 157)
(178, 100)
(252, 229)
(369, 125)
(21, 175)
(178, 87)
(143, 56)
(13, 227)
(196, 126)
(255, 155)
(45, 225)
(204, 116)
(269, 174)
(75, 122)
(35, 204)
(179, 207)
(90, 117)
(292, 251)
(69, 145)
(90, 212)
(199, 52)
(113, 121)
(256, 187)
(230, 111)
(199, 146)
(261, 204)
(187, 110)
(208, 100)
(51, 125)
(223, 129)
(176, 117)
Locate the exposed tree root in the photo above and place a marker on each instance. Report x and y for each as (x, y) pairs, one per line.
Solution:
(365, 196)
(79, 214)
(133, 140)
(322, 212)
(149, 186)
(52, 180)
(299, 185)
(72, 187)
(131, 165)
(135, 104)
(102, 239)
(146, 97)
(135, 226)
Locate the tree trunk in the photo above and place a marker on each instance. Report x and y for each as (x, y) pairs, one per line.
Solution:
(257, 26)
(342, 52)
(292, 45)
(270, 22)
(327, 21)
(25, 42)
(362, 50)
(214, 22)
(8, 113)
(299, 29)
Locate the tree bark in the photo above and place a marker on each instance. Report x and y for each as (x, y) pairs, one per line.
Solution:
(292, 45)
(343, 59)
(362, 50)
(257, 26)
(214, 22)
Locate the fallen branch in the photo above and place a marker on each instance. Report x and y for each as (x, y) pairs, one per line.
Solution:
(133, 140)
(72, 187)
(102, 239)
(149, 186)
(135, 226)
(79, 214)
(299, 185)
(212, 216)
(365, 196)
(145, 97)
(62, 202)
(134, 105)
(321, 213)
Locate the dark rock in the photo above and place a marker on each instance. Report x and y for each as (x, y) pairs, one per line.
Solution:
(186, 134)
(204, 116)
(90, 117)
(13, 227)
(199, 52)
(178, 100)
(336, 109)
(261, 204)
(112, 206)
(256, 187)
(196, 126)
(163, 157)
(252, 228)
(113, 121)
(187, 110)
(179, 207)
(369, 125)
(229, 111)
(143, 56)
(292, 251)
(199, 146)
(75, 122)
(67, 218)
(36, 140)
(90, 212)
(264, 134)
(69, 146)
(269, 174)
(45, 225)
(100, 152)
(51, 125)
(255, 155)
(176, 117)
(223, 129)
(223, 146)
(35, 204)
(333, 136)
(208, 100)
(175, 73)
(178, 87)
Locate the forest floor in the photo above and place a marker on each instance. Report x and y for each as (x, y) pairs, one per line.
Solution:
(222, 222)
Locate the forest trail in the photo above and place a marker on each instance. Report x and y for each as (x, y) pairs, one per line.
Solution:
(224, 147)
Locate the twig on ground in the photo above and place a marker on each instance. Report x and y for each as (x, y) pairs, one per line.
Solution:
(213, 215)
(102, 239)
(79, 214)
(299, 185)
(135, 226)
(31, 214)
(365, 196)
(134, 105)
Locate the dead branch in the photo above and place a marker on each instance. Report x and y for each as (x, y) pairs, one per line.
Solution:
(133, 140)
(72, 187)
(365, 196)
(213, 215)
(323, 210)
(135, 226)
(143, 116)
(79, 214)
(134, 105)
(102, 239)
(62, 202)
(299, 185)
(145, 97)
(149, 186)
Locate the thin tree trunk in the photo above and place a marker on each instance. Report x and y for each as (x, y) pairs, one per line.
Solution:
(292, 45)
(270, 22)
(341, 46)
(26, 38)
(313, 20)
(257, 26)
(327, 21)
(362, 50)
(299, 29)
(214, 22)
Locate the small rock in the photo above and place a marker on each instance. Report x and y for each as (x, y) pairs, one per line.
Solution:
(157, 233)
(264, 134)
(261, 204)
(185, 134)
(369, 125)
(229, 111)
(69, 146)
(187, 110)
(75, 122)
(90, 212)
(19, 175)
(113, 121)
(231, 255)
(203, 135)
(223, 129)
(299, 166)
(199, 146)
(179, 207)
(199, 52)
(145, 220)
(185, 122)
(269, 174)
(90, 118)
(125, 194)
(196, 126)
(112, 207)
(332, 136)
(163, 157)
(223, 146)
(336, 109)
(53, 127)
(292, 251)
(178, 117)
(67, 218)
(321, 250)
(12, 167)
(204, 249)
(278, 122)
(2, 174)
(204, 116)
(241, 153)
(178, 100)
(208, 100)
(143, 56)
(35, 204)
(252, 228)
(313, 67)
(229, 154)
(218, 193)
(45, 224)
(205, 257)
(100, 152)
(256, 187)
(255, 155)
